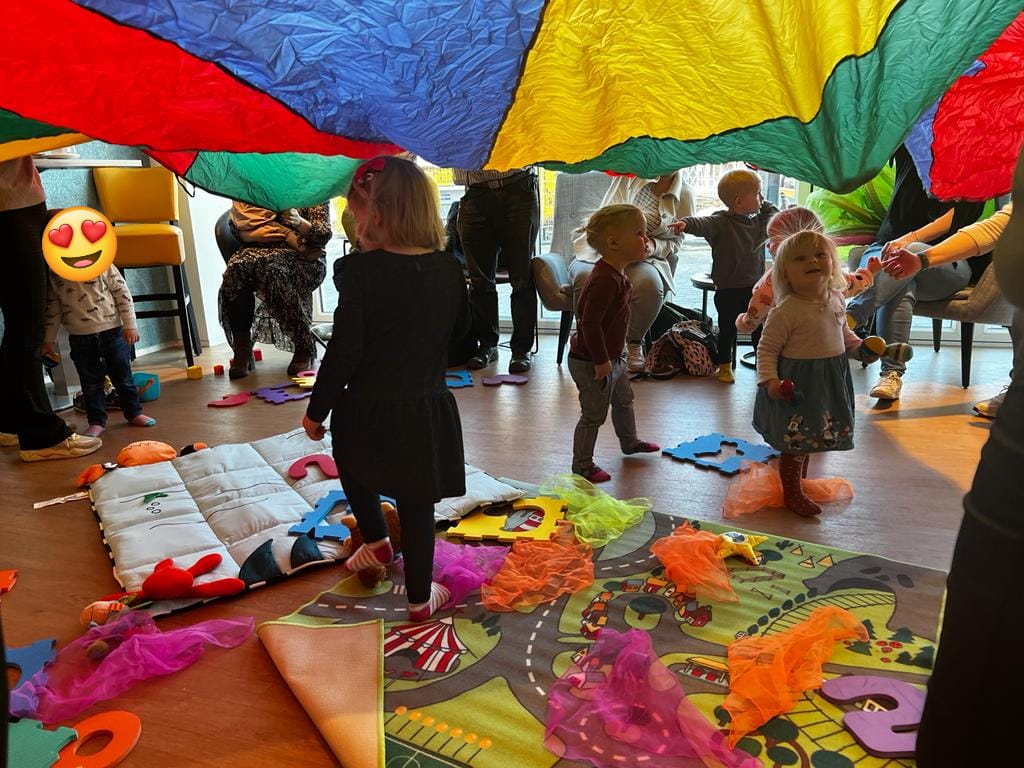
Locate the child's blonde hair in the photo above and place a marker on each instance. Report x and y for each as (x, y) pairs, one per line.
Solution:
(735, 183)
(604, 219)
(790, 221)
(406, 199)
(785, 254)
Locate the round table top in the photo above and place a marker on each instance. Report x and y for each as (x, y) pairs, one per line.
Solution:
(702, 280)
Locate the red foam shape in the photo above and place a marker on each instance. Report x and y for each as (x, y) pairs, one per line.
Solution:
(257, 355)
(218, 370)
(239, 398)
(7, 579)
(297, 470)
(123, 728)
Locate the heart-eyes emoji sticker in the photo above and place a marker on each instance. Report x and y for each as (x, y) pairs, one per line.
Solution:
(79, 244)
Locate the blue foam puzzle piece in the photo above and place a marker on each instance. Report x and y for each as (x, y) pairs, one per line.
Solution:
(458, 379)
(29, 659)
(711, 445)
(313, 522)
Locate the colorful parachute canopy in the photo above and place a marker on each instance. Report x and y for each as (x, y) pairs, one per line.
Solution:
(966, 144)
(248, 99)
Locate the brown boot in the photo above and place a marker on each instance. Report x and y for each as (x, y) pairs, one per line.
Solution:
(301, 361)
(242, 362)
(790, 470)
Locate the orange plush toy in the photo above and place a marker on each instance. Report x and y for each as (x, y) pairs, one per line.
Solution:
(373, 576)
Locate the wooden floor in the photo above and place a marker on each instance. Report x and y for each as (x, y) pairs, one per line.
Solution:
(911, 467)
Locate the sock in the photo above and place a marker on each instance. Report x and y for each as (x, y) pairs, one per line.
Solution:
(94, 430)
(642, 446)
(369, 555)
(725, 373)
(438, 596)
(142, 420)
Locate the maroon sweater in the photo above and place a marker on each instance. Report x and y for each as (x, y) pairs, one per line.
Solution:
(602, 315)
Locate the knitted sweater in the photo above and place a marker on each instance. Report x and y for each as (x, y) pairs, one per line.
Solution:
(89, 306)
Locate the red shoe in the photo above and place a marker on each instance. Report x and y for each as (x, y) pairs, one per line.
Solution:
(643, 447)
(595, 474)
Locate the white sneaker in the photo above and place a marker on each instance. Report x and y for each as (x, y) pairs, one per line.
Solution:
(635, 356)
(68, 448)
(989, 408)
(888, 386)
(8, 440)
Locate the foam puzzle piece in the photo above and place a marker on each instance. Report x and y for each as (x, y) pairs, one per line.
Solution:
(458, 379)
(711, 445)
(531, 518)
(313, 524)
(277, 395)
(29, 659)
(29, 745)
(504, 378)
(7, 579)
(238, 398)
(297, 470)
(124, 730)
(889, 733)
(304, 382)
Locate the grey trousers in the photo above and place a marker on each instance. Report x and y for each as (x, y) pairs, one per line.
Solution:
(595, 397)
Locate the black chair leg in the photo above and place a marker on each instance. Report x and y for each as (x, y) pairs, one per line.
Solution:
(936, 334)
(186, 332)
(564, 329)
(966, 347)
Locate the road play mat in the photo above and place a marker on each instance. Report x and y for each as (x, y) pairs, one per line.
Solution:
(470, 687)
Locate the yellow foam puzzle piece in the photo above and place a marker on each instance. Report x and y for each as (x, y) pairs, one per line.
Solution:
(532, 518)
(304, 382)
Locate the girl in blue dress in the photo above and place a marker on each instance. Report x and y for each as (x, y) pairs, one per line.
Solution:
(806, 341)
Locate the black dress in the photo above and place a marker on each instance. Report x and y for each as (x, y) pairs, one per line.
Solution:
(395, 425)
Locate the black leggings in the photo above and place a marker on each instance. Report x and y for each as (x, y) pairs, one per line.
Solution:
(417, 521)
(730, 304)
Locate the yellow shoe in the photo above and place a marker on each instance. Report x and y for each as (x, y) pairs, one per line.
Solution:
(725, 373)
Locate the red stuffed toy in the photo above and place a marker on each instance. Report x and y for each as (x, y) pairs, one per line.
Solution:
(169, 582)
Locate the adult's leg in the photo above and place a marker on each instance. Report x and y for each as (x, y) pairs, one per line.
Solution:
(517, 236)
(974, 691)
(480, 244)
(1017, 338)
(26, 408)
(417, 520)
(594, 399)
(648, 298)
(88, 359)
(117, 358)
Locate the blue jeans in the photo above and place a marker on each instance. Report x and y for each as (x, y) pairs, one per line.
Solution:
(96, 355)
(896, 299)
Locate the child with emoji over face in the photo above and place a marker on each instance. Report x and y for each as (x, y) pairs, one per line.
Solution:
(99, 314)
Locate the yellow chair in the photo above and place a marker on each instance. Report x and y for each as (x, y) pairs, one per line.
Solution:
(142, 203)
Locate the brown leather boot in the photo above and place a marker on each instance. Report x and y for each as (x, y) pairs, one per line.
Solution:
(301, 361)
(242, 362)
(790, 470)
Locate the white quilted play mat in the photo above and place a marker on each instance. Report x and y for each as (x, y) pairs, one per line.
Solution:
(238, 501)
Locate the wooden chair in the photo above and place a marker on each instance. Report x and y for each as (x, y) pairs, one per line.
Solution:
(576, 197)
(142, 203)
(979, 303)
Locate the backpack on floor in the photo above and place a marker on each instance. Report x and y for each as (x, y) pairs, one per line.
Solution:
(687, 347)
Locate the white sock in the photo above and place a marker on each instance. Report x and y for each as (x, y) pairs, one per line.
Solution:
(369, 555)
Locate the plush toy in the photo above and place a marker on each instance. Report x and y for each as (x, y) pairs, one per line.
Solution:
(374, 576)
(742, 545)
(134, 455)
(167, 582)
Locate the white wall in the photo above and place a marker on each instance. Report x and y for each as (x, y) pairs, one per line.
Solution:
(204, 265)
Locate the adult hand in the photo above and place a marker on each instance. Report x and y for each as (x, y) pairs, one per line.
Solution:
(131, 336)
(603, 370)
(902, 264)
(774, 389)
(314, 429)
(898, 244)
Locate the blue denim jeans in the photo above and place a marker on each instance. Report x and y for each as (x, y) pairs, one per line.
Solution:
(96, 355)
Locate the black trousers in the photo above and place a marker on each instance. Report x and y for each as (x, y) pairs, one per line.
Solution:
(503, 220)
(973, 705)
(730, 304)
(417, 521)
(26, 408)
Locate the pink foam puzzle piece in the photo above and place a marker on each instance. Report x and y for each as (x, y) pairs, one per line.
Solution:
(504, 378)
(238, 398)
(297, 470)
(888, 733)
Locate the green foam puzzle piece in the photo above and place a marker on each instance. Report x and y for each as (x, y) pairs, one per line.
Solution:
(32, 746)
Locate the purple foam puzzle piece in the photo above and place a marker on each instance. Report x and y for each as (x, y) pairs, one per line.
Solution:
(277, 395)
(886, 733)
(504, 378)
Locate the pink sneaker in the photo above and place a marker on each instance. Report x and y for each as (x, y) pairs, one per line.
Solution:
(595, 474)
(643, 447)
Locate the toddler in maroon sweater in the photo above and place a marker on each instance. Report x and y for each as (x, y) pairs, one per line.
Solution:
(596, 351)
